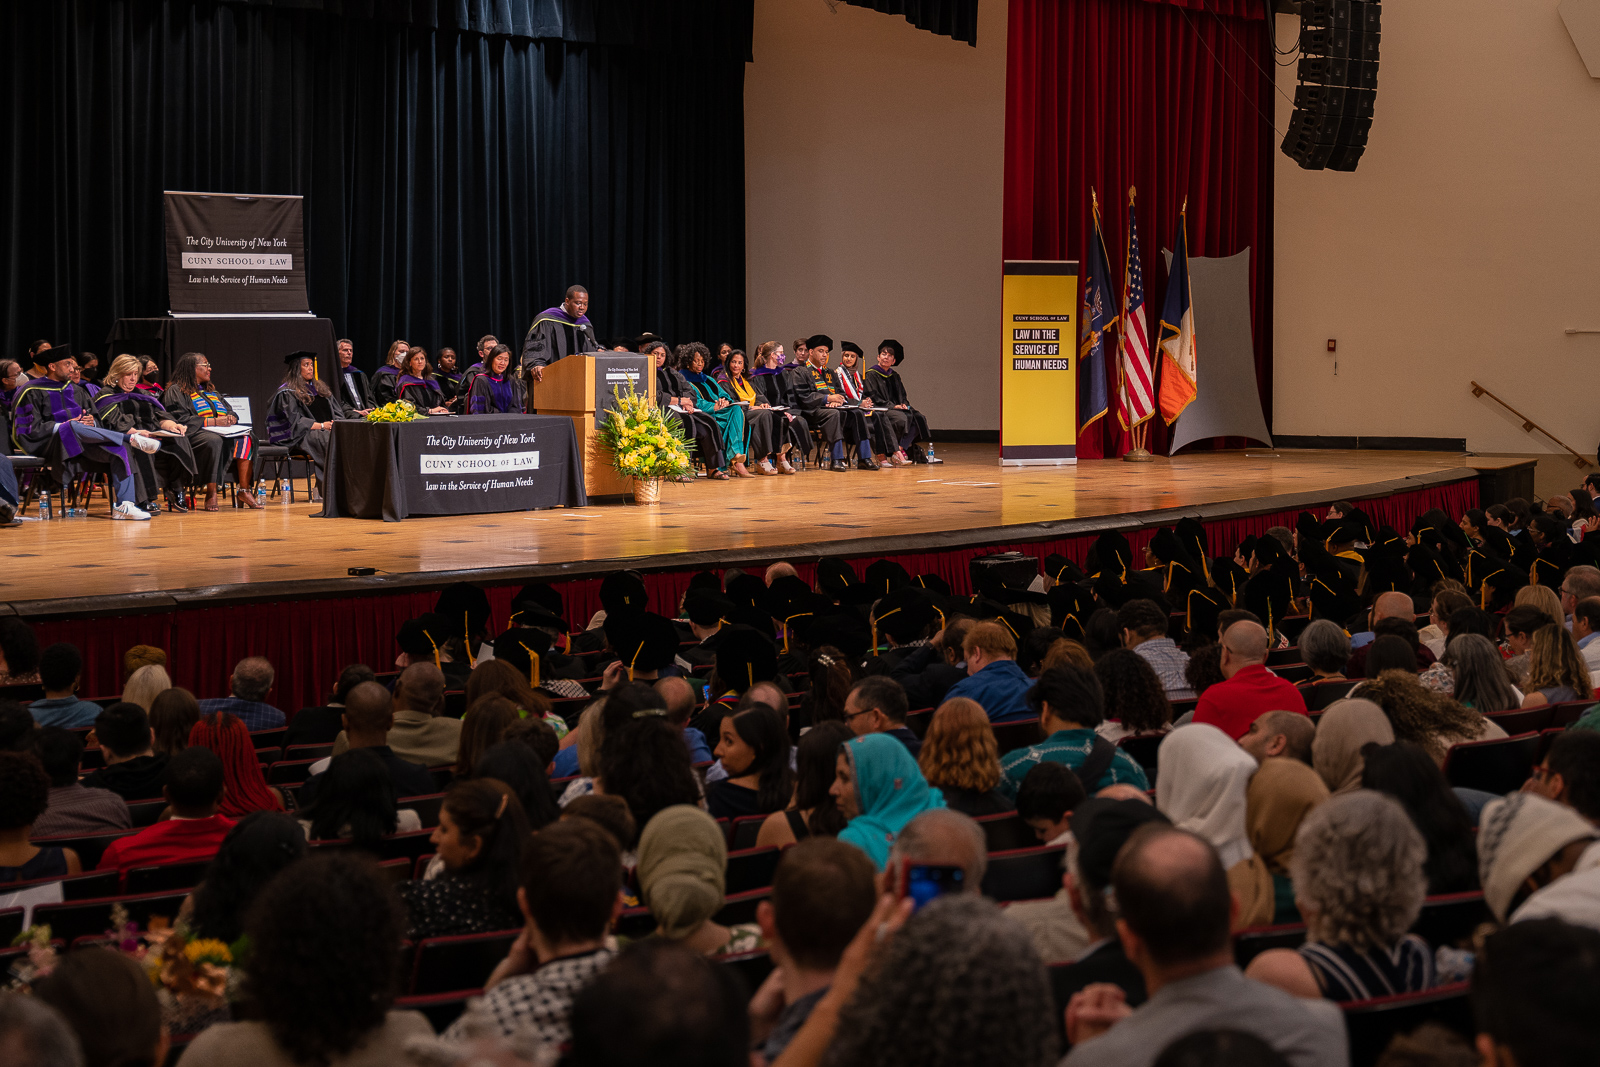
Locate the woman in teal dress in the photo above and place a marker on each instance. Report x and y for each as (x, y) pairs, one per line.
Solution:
(712, 399)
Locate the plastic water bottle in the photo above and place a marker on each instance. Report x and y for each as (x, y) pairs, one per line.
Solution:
(44, 507)
(283, 490)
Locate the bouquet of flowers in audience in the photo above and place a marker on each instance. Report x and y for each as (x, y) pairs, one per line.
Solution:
(396, 411)
(643, 443)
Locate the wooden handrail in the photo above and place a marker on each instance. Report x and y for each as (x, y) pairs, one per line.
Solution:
(1528, 426)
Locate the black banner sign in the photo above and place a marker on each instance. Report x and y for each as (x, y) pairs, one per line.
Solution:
(231, 255)
(619, 372)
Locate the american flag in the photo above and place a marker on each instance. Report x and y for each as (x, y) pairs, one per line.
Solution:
(1136, 376)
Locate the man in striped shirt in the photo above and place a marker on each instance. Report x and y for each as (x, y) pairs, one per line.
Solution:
(1144, 629)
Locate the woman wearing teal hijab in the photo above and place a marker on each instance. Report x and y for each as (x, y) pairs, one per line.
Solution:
(879, 788)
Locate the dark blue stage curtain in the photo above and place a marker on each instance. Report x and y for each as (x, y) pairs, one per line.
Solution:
(463, 161)
(947, 18)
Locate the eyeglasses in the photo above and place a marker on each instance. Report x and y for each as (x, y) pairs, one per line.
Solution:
(852, 714)
(1542, 773)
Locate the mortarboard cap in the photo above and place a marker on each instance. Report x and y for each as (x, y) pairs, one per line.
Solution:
(294, 358)
(851, 346)
(623, 593)
(884, 576)
(422, 637)
(819, 340)
(933, 584)
(644, 642)
(745, 657)
(704, 607)
(895, 347)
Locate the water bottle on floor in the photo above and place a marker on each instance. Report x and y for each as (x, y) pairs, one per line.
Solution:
(45, 513)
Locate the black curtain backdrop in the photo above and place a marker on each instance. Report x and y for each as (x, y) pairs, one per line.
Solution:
(456, 181)
(947, 18)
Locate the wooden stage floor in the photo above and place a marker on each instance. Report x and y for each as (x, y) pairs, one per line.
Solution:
(204, 555)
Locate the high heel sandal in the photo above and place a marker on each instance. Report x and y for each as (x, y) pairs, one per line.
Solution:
(242, 497)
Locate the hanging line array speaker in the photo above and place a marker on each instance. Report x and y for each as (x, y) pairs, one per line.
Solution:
(1338, 90)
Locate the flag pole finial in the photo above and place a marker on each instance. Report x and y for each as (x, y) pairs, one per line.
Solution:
(1132, 192)
(1185, 209)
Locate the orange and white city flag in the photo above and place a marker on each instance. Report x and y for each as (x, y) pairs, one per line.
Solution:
(1177, 331)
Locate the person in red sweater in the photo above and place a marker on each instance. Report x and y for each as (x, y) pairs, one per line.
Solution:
(1250, 690)
(194, 832)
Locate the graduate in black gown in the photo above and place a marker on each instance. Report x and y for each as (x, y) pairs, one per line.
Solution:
(417, 384)
(559, 332)
(301, 413)
(885, 427)
(825, 405)
(486, 345)
(763, 425)
(193, 399)
(888, 391)
(675, 397)
(53, 419)
(386, 379)
(352, 385)
(775, 391)
(449, 380)
(496, 390)
(122, 407)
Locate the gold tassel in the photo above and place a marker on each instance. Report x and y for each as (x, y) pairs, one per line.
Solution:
(466, 639)
(635, 659)
(533, 665)
(435, 645)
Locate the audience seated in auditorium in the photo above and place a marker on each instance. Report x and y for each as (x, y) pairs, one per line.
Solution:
(19, 653)
(1174, 917)
(1068, 703)
(754, 750)
(1326, 650)
(679, 697)
(1391, 605)
(194, 791)
(1406, 773)
(1049, 794)
(1135, 702)
(959, 758)
(1532, 995)
(481, 838)
(993, 678)
(110, 1003)
(1100, 829)
(24, 793)
(633, 1012)
(320, 725)
(323, 909)
(642, 755)
(1144, 629)
(1519, 625)
(1250, 689)
(1478, 676)
(60, 668)
(928, 671)
(483, 724)
(878, 705)
(73, 807)
(1405, 650)
(251, 682)
(515, 764)
(822, 894)
(940, 837)
(145, 684)
(1527, 849)
(1281, 794)
(1423, 717)
(245, 788)
(571, 893)
(1280, 733)
(1358, 882)
(32, 1032)
(682, 861)
(813, 812)
(421, 732)
(368, 719)
(1342, 734)
(1557, 672)
(879, 789)
(133, 769)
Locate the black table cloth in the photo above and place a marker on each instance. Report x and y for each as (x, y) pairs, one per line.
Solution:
(452, 465)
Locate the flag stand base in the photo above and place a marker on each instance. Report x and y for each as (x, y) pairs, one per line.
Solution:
(1138, 455)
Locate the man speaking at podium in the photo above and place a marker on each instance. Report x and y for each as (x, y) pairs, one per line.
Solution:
(557, 333)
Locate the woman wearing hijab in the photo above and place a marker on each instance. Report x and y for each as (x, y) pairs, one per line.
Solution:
(496, 390)
(1280, 796)
(1344, 729)
(1202, 788)
(246, 790)
(192, 399)
(880, 788)
(682, 861)
(418, 385)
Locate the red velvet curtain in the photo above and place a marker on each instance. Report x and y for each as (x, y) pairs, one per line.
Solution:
(310, 641)
(1168, 96)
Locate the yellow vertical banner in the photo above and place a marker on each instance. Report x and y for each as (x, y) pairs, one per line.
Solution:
(1038, 376)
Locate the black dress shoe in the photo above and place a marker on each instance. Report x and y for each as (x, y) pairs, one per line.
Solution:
(839, 465)
(867, 464)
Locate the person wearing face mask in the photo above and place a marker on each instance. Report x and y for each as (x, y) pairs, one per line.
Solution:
(386, 379)
(496, 390)
(123, 407)
(193, 399)
(559, 332)
(11, 379)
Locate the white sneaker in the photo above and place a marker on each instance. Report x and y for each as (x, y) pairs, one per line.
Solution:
(126, 510)
(145, 444)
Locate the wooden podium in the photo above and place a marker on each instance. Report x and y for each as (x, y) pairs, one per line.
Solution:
(580, 387)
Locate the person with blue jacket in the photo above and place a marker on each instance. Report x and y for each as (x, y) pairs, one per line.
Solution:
(993, 678)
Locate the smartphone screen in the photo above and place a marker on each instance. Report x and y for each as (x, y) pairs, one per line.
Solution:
(923, 883)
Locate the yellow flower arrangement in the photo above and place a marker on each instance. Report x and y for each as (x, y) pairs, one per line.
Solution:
(643, 443)
(396, 411)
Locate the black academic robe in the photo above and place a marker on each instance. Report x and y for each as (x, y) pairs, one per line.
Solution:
(776, 390)
(490, 395)
(450, 386)
(812, 388)
(423, 392)
(554, 335)
(176, 463)
(888, 389)
(42, 404)
(699, 427)
(289, 418)
(355, 389)
(385, 385)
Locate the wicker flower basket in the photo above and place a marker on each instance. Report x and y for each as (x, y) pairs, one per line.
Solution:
(647, 490)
